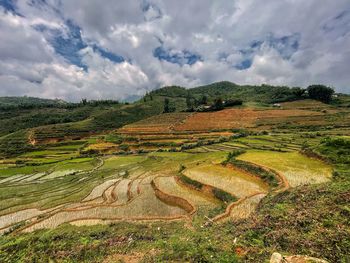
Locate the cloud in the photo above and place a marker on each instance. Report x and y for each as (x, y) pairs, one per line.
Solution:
(73, 49)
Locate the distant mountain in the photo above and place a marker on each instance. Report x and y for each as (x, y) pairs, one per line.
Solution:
(28, 102)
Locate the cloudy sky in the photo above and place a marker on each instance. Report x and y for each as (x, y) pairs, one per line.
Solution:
(73, 49)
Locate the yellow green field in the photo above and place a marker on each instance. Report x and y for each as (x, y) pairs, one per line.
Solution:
(295, 167)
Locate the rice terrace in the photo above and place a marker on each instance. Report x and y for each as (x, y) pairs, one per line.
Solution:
(183, 172)
(151, 131)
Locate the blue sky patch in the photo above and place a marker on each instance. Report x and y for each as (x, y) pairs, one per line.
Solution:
(286, 46)
(177, 57)
(109, 55)
(245, 64)
(68, 45)
(9, 6)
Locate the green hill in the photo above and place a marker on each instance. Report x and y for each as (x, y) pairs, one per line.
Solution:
(29, 102)
(229, 90)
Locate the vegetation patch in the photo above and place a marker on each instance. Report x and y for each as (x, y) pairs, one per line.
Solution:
(191, 182)
(223, 196)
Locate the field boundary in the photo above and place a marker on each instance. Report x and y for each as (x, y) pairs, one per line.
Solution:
(229, 208)
(172, 199)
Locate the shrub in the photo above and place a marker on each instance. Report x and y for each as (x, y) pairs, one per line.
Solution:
(232, 155)
(189, 181)
(124, 147)
(230, 103)
(223, 195)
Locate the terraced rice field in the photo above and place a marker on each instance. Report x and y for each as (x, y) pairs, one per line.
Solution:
(235, 182)
(144, 187)
(118, 188)
(179, 131)
(236, 118)
(163, 123)
(295, 167)
(219, 147)
(170, 186)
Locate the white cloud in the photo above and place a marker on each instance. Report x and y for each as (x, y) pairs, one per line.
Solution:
(216, 30)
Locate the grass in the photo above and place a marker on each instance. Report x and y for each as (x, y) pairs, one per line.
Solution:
(169, 241)
(246, 208)
(302, 221)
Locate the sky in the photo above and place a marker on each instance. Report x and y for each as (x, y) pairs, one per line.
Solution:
(114, 49)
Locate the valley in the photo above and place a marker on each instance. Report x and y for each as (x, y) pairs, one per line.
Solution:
(151, 176)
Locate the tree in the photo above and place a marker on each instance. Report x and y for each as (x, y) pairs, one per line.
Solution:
(320, 92)
(218, 104)
(145, 97)
(204, 100)
(166, 105)
(189, 103)
(232, 102)
(298, 92)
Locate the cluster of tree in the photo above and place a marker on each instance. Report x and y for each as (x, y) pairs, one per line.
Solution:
(192, 103)
(320, 92)
(317, 92)
(168, 107)
(218, 104)
(94, 103)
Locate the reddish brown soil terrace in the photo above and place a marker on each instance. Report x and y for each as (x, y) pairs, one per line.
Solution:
(236, 118)
(163, 123)
(180, 123)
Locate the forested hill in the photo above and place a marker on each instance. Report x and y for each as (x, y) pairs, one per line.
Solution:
(28, 102)
(229, 90)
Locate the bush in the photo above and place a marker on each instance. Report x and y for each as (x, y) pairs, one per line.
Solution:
(266, 176)
(189, 181)
(230, 103)
(223, 195)
(232, 155)
(124, 147)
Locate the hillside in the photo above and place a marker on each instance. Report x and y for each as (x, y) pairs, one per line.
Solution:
(105, 181)
(26, 123)
(228, 90)
(29, 102)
